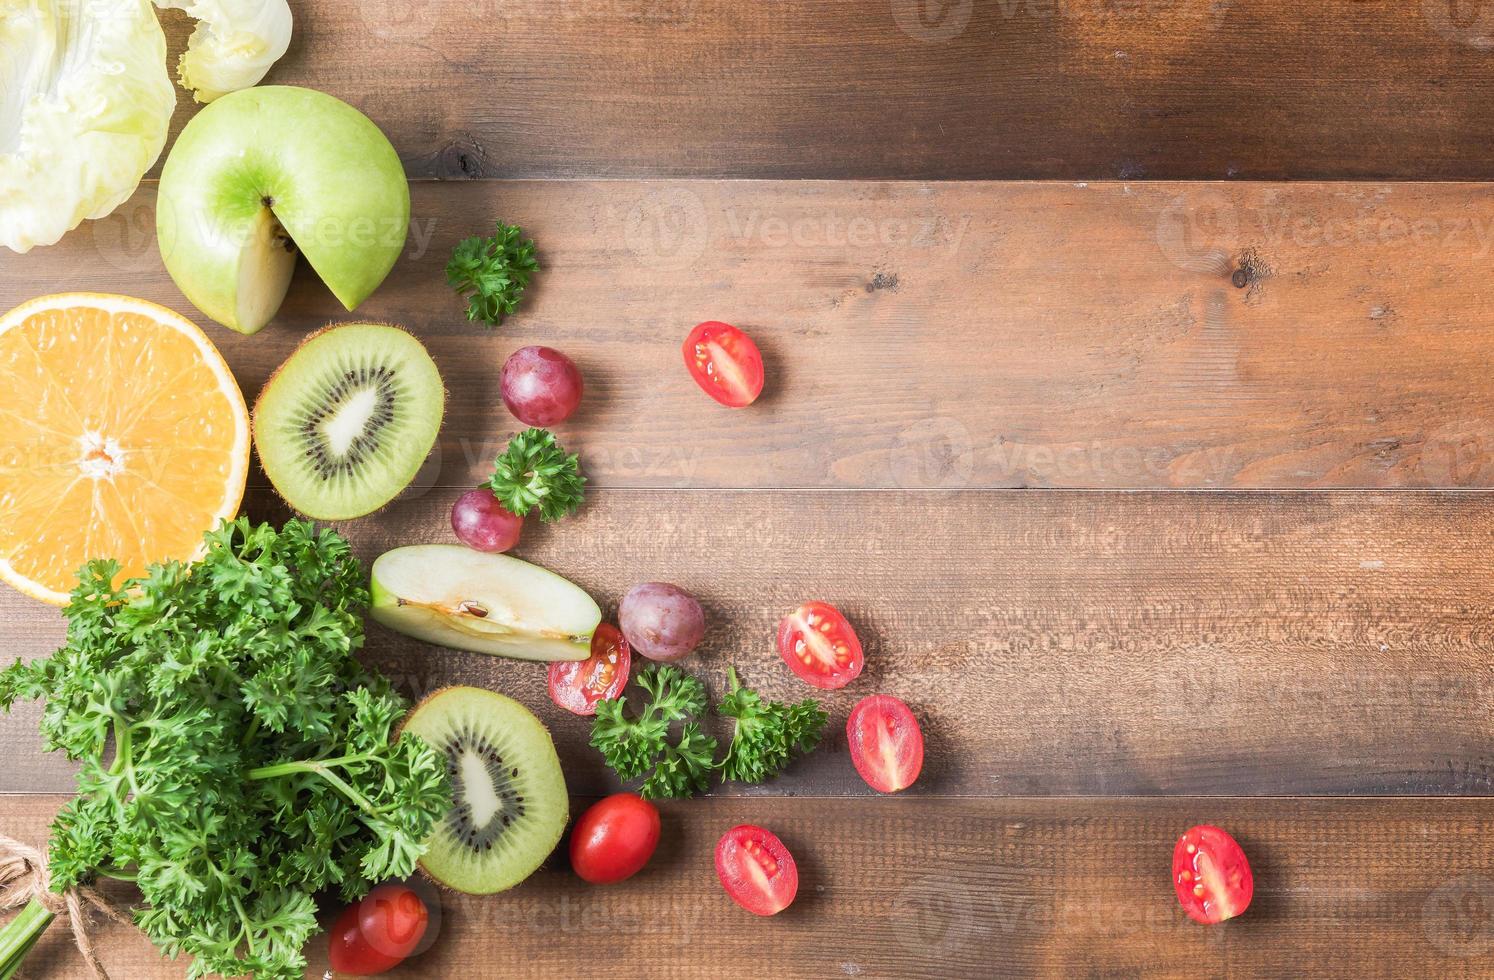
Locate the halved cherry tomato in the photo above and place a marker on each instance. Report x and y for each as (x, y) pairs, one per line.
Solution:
(886, 743)
(756, 870)
(577, 685)
(614, 839)
(725, 363)
(378, 933)
(819, 645)
(1211, 875)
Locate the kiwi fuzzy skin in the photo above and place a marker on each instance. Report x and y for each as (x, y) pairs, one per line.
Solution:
(399, 731)
(254, 413)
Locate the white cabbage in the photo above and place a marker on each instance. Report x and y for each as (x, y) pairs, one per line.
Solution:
(85, 102)
(235, 43)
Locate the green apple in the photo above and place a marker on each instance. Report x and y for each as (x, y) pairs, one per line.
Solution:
(263, 173)
(487, 603)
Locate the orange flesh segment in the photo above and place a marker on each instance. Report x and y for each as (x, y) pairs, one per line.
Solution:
(122, 435)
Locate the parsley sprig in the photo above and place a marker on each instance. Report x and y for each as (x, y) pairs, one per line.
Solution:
(767, 735)
(534, 471)
(635, 746)
(492, 273)
(254, 762)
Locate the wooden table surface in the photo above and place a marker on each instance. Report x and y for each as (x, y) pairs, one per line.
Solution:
(1126, 390)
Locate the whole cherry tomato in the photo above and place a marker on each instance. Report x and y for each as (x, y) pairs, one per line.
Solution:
(378, 933)
(614, 838)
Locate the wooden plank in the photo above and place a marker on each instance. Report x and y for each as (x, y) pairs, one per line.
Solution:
(961, 888)
(1053, 644)
(945, 335)
(1081, 89)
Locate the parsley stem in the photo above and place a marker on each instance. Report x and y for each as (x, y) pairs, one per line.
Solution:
(352, 794)
(121, 747)
(248, 935)
(315, 765)
(322, 768)
(125, 750)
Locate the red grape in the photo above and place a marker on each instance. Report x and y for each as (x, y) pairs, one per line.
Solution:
(540, 385)
(483, 524)
(661, 621)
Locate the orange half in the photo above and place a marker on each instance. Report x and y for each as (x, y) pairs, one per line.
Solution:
(122, 435)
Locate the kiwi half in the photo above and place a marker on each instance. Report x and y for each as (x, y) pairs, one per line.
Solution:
(509, 803)
(345, 423)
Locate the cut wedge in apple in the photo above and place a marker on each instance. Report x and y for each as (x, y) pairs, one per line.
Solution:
(265, 173)
(486, 603)
(265, 268)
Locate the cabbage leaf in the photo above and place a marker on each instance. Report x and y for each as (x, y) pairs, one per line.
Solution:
(235, 43)
(85, 103)
(86, 99)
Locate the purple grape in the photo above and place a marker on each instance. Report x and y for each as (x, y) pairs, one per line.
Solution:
(661, 621)
(540, 385)
(483, 524)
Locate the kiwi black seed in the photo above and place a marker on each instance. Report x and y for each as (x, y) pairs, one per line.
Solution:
(334, 395)
(509, 803)
(346, 422)
(504, 782)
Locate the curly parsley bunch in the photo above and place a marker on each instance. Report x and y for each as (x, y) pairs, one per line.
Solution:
(637, 746)
(253, 758)
(535, 472)
(491, 274)
(766, 736)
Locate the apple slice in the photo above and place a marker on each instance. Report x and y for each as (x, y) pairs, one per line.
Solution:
(264, 173)
(264, 274)
(487, 603)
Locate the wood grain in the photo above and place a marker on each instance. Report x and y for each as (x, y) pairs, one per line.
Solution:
(1193, 657)
(963, 888)
(944, 335)
(1052, 644)
(927, 89)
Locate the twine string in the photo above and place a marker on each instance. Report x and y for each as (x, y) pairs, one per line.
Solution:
(24, 876)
